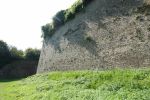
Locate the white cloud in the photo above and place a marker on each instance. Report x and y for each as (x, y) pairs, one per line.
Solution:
(21, 20)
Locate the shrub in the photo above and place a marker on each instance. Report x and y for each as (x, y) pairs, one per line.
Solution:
(59, 18)
(64, 16)
(47, 30)
(145, 8)
(16, 54)
(4, 54)
(77, 6)
(9, 54)
(69, 15)
(88, 38)
(4, 49)
(32, 54)
(86, 2)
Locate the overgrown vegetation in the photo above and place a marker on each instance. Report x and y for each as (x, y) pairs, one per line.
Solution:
(9, 54)
(32, 54)
(88, 38)
(64, 16)
(16, 54)
(145, 9)
(115, 84)
(4, 53)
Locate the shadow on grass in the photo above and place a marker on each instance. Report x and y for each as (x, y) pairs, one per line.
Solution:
(9, 80)
(18, 70)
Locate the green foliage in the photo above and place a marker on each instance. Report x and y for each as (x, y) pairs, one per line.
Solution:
(4, 53)
(64, 16)
(145, 8)
(3, 47)
(69, 15)
(77, 6)
(88, 38)
(86, 2)
(32, 54)
(115, 84)
(71, 12)
(9, 54)
(59, 18)
(48, 30)
(16, 54)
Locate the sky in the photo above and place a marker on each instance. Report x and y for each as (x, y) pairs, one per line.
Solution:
(21, 20)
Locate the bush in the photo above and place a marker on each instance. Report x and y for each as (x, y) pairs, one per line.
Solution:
(59, 18)
(11, 54)
(47, 30)
(4, 49)
(88, 38)
(145, 8)
(32, 54)
(86, 2)
(64, 16)
(77, 6)
(16, 54)
(4, 54)
(69, 15)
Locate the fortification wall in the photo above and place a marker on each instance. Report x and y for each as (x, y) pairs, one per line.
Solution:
(108, 33)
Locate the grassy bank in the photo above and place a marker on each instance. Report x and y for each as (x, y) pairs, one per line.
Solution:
(116, 84)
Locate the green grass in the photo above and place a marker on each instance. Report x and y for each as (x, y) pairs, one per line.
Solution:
(115, 84)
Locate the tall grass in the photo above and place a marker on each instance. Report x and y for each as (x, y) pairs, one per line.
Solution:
(116, 84)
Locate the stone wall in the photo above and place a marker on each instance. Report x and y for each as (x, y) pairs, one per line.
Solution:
(108, 33)
(19, 69)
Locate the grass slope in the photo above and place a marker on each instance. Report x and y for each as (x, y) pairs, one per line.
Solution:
(116, 84)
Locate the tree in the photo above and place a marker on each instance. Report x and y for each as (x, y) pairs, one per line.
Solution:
(16, 54)
(32, 54)
(4, 53)
(4, 50)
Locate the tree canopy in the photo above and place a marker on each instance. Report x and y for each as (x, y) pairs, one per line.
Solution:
(4, 53)
(9, 54)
